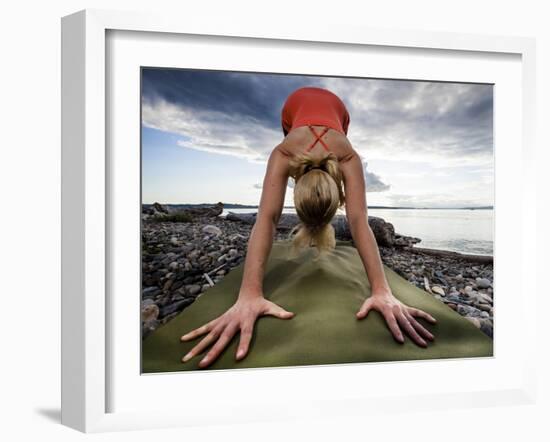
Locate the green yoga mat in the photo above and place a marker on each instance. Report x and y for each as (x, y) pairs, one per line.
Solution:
(324, 296)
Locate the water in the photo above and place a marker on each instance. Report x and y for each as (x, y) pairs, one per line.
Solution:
(458, 230)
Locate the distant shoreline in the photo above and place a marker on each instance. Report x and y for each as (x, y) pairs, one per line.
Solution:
(227, 206)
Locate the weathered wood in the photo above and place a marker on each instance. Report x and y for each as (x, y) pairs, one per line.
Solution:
(480, 259)
(159, 210)
(212, 211)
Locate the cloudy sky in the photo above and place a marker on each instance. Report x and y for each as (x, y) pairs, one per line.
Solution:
(206, 136)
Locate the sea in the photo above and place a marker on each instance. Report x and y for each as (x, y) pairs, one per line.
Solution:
(458, 230)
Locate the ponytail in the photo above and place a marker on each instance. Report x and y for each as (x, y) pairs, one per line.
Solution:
(318, 194)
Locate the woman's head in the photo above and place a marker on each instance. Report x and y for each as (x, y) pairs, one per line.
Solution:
(317, 196)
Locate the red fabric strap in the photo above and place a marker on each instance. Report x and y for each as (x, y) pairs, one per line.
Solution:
(318, 138)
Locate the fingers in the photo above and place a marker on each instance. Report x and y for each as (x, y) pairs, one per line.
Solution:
(278, 312)
(205, 342)
(218, 347)
(419, 327)
(244, 343)
(421, 314)
(364, 310)
(404, 322)
(199, 331)
(394, 327)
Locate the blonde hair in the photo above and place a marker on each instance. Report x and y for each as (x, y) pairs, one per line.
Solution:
(318, 194)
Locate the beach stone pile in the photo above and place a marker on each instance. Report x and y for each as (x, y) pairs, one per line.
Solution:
(180, 260)
(463, 286)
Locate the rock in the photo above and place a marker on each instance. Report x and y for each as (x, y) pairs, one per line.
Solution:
(150, 292)
(484, 307)
(238, 237)
(160, 208)
(474, 321)
(149, 312)
(437, 289)
(175, 307)
(146, 302)
(193, 289)
(467, 310)
(487, 327)
(213, 230)
(483, 283)
(480, 298)
(173, 265)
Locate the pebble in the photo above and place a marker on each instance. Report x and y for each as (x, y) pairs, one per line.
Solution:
(438, 290)
(483, 283)
(150, 312)
(194, 289)
(212, 229)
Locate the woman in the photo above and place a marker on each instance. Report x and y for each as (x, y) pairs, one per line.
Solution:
(326, 178)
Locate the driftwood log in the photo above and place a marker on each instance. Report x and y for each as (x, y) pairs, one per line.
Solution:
(159, 210)
(480, 259)
(384, 232)
(215, 210)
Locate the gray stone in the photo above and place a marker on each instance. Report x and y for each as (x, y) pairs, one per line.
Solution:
(194, 289)
(149, 312)
(214, 230)
(437, 289)
(483, 283)
(474, 321)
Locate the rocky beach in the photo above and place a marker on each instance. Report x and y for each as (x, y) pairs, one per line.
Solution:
(187, 250)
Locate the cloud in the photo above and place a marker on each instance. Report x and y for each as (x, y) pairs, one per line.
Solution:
(373, 183)
(419, 121)
(434, 200)
(239, 114)
(290, 184)
(448, 126)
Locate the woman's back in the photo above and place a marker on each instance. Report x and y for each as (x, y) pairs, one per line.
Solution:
(301, 138)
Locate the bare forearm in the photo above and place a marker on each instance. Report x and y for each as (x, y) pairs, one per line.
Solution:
(258, 249)
(366, 245)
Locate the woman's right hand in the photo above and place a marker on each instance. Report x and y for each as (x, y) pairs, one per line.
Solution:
(240, 317)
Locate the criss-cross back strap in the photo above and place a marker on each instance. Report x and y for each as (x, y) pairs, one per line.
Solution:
(318, 138)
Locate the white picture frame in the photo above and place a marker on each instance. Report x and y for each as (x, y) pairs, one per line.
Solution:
(87, 210)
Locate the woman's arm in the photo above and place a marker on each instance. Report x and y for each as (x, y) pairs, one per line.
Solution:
(397, 315)
(261, 236)
(250, 303)
(356, 214)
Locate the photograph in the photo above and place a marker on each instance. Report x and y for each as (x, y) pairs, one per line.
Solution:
(293, 220)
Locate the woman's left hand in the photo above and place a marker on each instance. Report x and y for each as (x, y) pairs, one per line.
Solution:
(398, 316)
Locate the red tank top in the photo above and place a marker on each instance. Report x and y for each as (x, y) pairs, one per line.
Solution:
(309, 106)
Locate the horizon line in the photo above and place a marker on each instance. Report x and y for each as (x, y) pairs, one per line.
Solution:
(255, 206)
